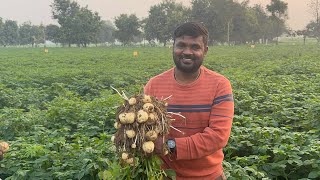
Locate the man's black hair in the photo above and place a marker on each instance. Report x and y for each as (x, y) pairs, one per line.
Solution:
(194, 29)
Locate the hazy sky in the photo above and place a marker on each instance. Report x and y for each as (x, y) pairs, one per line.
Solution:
(39, 11)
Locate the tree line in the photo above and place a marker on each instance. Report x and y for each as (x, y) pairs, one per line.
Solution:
(228, 21)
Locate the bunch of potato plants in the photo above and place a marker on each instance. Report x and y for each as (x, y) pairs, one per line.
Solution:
(140, 122)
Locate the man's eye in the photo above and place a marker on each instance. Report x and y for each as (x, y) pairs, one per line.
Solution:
(180, 46)
(196, 47)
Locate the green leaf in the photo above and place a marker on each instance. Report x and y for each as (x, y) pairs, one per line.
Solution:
(170, 173)
(313, 174)
(104, 175)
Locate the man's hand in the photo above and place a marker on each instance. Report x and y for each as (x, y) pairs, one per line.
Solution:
(159, 145)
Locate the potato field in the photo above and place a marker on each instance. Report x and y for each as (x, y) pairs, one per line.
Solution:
(57, 109)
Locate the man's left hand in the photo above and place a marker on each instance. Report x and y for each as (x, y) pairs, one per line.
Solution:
(159, 145)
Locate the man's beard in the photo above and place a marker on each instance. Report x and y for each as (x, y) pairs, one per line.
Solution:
(186, 69)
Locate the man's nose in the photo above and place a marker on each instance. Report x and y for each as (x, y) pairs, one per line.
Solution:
(187, 50)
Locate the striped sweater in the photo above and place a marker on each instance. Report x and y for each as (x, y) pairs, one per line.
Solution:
(207, 105)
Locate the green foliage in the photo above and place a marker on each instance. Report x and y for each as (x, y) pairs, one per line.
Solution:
(57, 110)
(149, 168)
(69, 139)
(275, 133)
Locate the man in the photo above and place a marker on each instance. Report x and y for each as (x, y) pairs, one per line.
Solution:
(204, 99)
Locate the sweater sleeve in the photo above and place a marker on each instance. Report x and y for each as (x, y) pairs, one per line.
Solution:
(216, 135)
(147, 88)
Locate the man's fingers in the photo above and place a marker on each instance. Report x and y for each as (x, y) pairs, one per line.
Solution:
(160, 144)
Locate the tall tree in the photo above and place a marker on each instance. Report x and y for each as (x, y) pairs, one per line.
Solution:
(226, 10)
(31, 34)
(263, 22)
(217, 15)
(1, 32)
(203, 11)
(52, 33)
(65, 11)
(278, 10)
(312, 30)
(77, 25)
(304, 33)
(245, 24)
(163, 18)
(25, 36)
(38, 34)
(10, 33)
(127, 28)
(314, 25)
(106, 33)
(86, 25)
(229, 20)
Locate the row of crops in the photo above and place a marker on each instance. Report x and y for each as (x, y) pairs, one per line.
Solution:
(57, 109)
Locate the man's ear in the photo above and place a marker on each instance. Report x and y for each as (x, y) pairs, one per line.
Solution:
(206, 50)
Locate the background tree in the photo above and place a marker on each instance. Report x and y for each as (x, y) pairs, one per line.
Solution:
(106, 32)
(218, 16)
(245, 24)
(65, 11)
(52, 33)
(86, 26)
(1, 32)
(312, 30)
(163, 19)
(263, 23)
(77, 25)
(225, 9)
(152, 24)
(25, 33)
(314, 25)
(10, 33)
(304, 33)
(278, 10)
(127, 28)
(204, 11)
(38, 34)
(31, 34)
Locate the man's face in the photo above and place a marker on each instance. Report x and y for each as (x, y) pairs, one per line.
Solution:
(188, 53)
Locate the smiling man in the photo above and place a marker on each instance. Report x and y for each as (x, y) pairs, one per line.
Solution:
(204, 98)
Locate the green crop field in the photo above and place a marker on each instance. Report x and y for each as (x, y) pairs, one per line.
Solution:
(57, 109)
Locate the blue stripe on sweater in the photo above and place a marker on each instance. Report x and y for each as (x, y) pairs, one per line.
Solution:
(201, 106)
(189, 110)
(227, 97)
